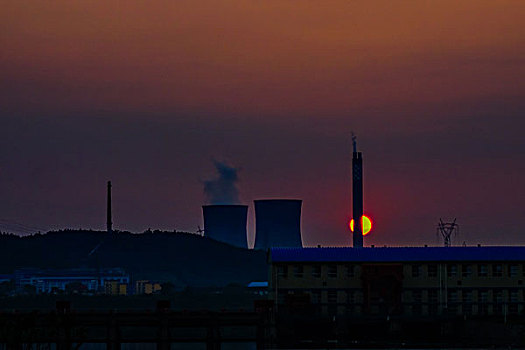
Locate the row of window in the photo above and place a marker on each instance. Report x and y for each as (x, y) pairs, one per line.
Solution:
(330, 296)
(298, 271)
(465, 309)
(463, 295)
(467, 270)
(417, 270)
(430, 296)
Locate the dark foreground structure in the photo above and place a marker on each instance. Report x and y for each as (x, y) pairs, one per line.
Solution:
(226, 223)
(277, 223)
(293, 325)
(67, 329)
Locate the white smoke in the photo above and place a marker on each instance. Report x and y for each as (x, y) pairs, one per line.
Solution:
(223, 188)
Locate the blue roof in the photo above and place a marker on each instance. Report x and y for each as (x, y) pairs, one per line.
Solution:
(398, 254)
(258, 285)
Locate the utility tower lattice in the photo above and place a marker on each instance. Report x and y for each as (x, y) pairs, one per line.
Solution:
(446, 229)
(200, 231)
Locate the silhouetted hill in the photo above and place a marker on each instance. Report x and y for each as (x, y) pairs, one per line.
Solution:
(182, 258)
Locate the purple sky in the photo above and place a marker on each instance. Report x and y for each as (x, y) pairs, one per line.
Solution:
(148, 97)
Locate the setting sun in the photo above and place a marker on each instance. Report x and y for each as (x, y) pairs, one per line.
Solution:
(367, 225)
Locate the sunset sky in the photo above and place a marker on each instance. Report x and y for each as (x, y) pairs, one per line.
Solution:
(149, 93)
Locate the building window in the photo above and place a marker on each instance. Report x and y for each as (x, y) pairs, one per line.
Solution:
(350, 297)
(350, 271)
(466, 270)
(416, 296)
(452, 270)
(498, 296)
(298, 271)
(416, 270)
(514, 299)
(432, 270)
(467, 296)
(332, 296)
(332, 271)
(482, 270)
(452, 296)
(513, 270)
(483, 296)
(316, 271)
(282, 271)
(497, 270)
(316, 296)
(432, 296)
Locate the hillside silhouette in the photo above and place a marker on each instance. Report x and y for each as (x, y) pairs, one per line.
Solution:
(181, 258)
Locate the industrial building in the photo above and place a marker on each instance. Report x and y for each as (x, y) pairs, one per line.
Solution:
(49, 281)
(226, 223)
(415, 281)
(277, 223)
(147, 287)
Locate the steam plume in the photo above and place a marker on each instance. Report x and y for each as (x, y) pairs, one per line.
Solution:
(223, 188)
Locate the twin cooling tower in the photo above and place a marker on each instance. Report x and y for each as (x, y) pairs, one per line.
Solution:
(226, 223)
(277, 223)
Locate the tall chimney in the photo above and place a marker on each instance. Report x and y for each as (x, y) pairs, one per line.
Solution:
(357, 195)
(109, 223)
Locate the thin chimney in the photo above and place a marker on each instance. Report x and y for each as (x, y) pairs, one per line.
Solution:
(357, 194)
(109, 223)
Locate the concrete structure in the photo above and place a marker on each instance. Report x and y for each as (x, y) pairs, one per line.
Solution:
(418, 282)
(49, 281)
(226, 223)
(277, 223)
(357, 195)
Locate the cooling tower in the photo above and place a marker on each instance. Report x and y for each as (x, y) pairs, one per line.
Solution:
(226, 223)
(277, 223)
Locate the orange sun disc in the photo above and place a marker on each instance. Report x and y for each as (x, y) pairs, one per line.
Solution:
(366, 223)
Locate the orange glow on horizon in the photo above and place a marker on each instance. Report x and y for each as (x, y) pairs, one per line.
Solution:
(366, 224)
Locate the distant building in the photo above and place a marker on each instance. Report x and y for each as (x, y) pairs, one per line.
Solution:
(147, 287)
(6, 278)
(49, 281)
(115, 287)
(258, 288)
(421, 281)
